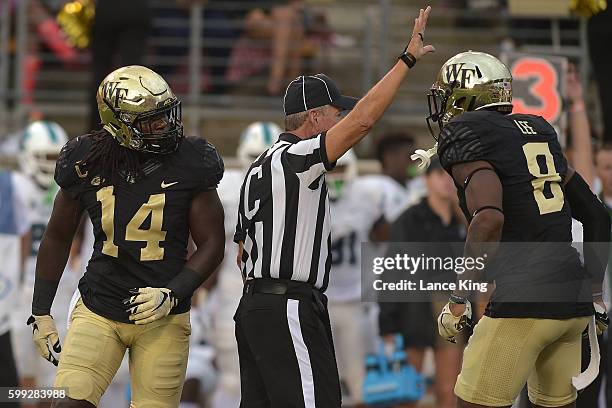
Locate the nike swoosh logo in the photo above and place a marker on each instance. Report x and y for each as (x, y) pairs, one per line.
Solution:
(165, 296)
(164, 185)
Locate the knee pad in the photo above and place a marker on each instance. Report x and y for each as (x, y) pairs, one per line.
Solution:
(167, 374)
(80, 385)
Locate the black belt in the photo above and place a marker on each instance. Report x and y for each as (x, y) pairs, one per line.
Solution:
(278, 286)
(273, 286)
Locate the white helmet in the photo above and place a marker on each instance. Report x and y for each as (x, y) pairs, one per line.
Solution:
(256, 139)
(337, 181)
(41, 143)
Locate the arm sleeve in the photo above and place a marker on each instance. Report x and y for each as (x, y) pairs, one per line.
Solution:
(591, 212)
(308, 158)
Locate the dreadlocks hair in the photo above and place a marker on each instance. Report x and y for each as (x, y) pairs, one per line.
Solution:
(113, 162)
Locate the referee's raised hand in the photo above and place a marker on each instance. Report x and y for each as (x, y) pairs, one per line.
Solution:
(358, 123)
(416, 45)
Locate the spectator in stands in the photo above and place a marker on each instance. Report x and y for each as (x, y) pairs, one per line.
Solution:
(280, 26)
(432, 220)
(599, 34)
(580, 152)
(48, 35)
(120, 27)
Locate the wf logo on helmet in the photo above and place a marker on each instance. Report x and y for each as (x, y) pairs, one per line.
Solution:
(113, 94)
(457, 73)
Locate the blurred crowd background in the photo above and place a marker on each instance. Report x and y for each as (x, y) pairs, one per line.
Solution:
(229, 61)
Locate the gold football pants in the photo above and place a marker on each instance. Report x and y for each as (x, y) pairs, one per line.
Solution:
(94, 348)
(504, 353)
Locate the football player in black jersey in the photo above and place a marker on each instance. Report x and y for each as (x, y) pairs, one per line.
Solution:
(146, 188)
(515, 186)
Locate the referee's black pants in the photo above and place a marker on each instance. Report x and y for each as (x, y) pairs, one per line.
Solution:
(285, 347)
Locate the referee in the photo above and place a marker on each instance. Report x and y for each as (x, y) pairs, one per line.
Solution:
(283, 231)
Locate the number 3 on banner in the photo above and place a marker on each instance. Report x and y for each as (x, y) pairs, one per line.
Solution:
(152, 236)
(545, 205)
(544, 80)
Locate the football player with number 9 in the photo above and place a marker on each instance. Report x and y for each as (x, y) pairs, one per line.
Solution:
(146, 188)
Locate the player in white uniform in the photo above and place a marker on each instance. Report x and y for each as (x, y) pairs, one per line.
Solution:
(353, 213)
(40, 145)
(255, 139)
(14, 234)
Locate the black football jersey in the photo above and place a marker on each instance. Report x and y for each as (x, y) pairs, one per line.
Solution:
(141, 226)
(526, 155)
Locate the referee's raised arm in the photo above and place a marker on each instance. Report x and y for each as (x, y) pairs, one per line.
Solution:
(350, 130)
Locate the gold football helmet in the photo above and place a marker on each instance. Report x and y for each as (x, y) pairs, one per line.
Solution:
(137, 107)
(469, 81)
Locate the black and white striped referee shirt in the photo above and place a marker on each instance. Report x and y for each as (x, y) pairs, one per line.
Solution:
(283, 215)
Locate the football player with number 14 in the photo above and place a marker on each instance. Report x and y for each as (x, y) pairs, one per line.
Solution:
(145, 188)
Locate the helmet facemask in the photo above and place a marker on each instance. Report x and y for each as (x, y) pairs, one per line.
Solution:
(141, 132)
(40, 165)
(437, 98)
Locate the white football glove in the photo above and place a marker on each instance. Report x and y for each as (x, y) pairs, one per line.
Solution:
(150, 304)
(424, 156)
(44, 334)
(450, 325)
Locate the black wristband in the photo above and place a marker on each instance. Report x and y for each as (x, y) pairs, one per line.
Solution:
(44, 293)
(185, 283)
(409, 59)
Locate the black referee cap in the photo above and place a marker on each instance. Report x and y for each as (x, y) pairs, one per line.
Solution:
(311, 91)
